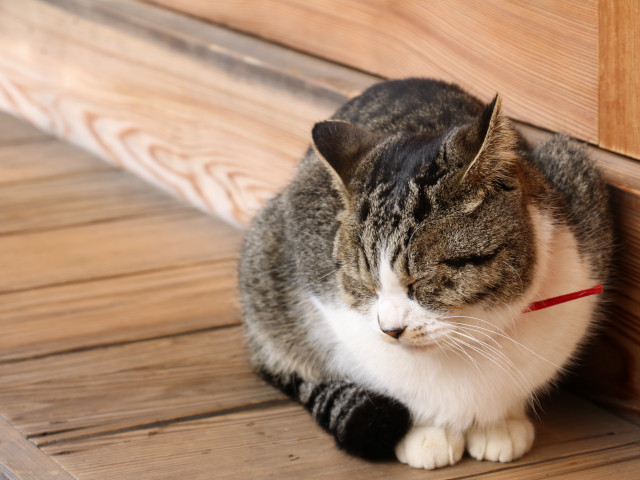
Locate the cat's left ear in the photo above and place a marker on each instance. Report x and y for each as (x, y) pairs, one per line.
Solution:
(490, 145)
(342, 146)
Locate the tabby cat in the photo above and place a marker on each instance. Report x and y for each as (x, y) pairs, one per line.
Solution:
(384, 288)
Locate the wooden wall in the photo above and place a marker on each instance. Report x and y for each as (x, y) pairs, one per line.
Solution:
(569, 66)
(221, 119)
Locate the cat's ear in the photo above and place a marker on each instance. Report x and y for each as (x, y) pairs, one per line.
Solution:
(491, 145)
(343, 146)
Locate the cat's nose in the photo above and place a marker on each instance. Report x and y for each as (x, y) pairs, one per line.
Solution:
(395, 332)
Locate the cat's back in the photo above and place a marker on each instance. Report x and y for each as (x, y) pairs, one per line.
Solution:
(567, 167)
(413, 105)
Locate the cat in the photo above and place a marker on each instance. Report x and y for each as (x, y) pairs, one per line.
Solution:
(384, 288)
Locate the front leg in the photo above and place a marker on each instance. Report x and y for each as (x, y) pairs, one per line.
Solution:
(503, 441)
(430, 447)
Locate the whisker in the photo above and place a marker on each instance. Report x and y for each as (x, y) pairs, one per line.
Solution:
(458, 348)
(525, 385)
(501, 333)
(482, 331)
(516, 272)
(437, 344)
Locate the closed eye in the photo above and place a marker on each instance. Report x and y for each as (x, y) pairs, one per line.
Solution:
(475, 260)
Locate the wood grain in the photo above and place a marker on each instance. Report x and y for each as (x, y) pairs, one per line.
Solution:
(186, 124)
(541, 56)
(285, 443)
(79, 199)
(87, 252)
(34, 161)
(102, 312)
(22, 460)
(619, 85)
(122, 386)
(14, 132)
(619, 463)
(610, 371)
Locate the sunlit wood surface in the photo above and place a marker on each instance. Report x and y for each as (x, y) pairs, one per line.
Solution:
(121, 353)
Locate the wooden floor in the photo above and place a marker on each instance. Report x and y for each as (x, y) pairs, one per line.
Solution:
(121, 351)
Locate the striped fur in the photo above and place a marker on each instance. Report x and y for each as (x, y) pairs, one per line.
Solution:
(383, 287)
(363, 423)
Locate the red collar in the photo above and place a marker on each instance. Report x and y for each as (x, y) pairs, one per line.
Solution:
(550, 302)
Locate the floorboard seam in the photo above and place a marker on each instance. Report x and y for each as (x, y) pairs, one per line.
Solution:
(121, 343)
(54, 228)
(114, 276)
(549, 460)
(163, 423)
(101, 221)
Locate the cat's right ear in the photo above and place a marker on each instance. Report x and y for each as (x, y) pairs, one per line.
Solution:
(342, 146)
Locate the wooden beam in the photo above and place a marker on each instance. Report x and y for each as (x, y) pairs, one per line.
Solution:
(541, 56)
(180, 103)
(619, 106)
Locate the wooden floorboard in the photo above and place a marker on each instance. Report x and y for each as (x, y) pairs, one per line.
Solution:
(21, 460)
(121, 353)
(285, 443)
(111, 249)
(45, 321)
(15, 132)
(72, 200)
(25, 162)
(59, 397)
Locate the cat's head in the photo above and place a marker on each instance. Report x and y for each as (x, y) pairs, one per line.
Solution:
(432, 227)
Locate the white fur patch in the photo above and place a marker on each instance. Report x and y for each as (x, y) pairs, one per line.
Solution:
(490, 379)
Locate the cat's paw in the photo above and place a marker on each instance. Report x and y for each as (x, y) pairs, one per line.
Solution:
(430, 447)
(506, 441)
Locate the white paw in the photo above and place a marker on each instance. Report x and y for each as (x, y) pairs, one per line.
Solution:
(430, 447)
(503, 442)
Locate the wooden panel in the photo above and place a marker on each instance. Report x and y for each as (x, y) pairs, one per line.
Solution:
(610, 371)
(70, 317)
(188, 124)
(285, 443)
(541, 56)
(13, 131)
(619, 111)
(32, 161)
(87, 252)
(84, 393)
(21, 460)
(83, 198)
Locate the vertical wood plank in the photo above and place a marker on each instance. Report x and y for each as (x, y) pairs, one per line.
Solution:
(619, 108)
